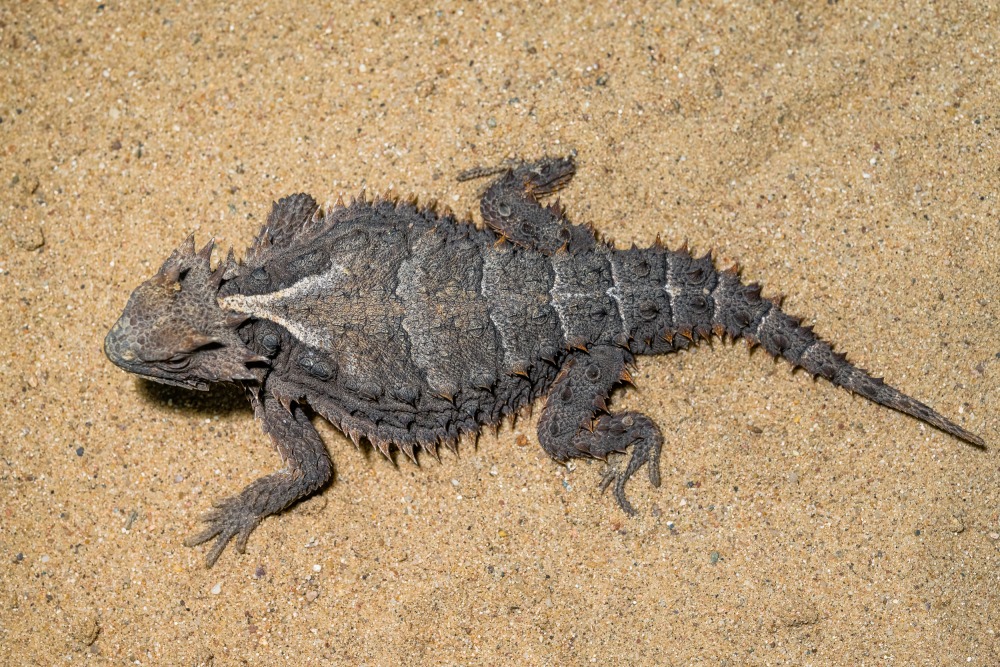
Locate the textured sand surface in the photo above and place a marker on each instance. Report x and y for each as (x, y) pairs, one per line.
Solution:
(846, 154)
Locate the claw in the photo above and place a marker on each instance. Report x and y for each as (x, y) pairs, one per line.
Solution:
(645, 451)
(228, 519)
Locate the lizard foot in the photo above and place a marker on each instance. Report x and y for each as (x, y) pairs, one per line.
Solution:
(614, 434)
(230, 517)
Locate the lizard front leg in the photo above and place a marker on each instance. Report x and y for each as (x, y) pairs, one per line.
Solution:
(510, 205)
(307, 468)
(574, 422)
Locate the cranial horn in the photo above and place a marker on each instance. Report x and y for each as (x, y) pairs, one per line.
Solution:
(206, 252)
(187, 248)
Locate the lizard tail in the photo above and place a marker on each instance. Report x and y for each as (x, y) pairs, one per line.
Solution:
(742, 312)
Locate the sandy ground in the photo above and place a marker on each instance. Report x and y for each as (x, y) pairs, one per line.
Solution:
(845, 154)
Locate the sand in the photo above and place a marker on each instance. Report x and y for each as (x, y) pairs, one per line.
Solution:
(845, 154)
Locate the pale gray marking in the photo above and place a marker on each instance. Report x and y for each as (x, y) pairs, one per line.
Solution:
(489, 287)
(423, 351)
(760, 325)
(615, 294)
(672, 290)
(276, 306)
(667, 289)
(559, 296)
(805, 353)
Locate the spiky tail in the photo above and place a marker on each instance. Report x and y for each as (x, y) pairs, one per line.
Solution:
(741, 312)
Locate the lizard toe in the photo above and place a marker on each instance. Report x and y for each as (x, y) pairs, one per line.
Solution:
(230, 518)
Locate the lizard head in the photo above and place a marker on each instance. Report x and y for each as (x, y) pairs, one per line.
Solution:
(173, 330)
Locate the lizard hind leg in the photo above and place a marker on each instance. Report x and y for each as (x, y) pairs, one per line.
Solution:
(574, 423)
(510, 205)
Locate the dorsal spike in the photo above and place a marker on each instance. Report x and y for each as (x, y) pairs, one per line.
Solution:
(353, 435)
(382, 446)
(407, 448)
(430, 446)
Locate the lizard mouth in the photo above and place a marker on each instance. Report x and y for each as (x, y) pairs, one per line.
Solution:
(187, 384)
(125, 356)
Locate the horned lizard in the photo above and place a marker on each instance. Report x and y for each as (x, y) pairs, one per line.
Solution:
(407, 328)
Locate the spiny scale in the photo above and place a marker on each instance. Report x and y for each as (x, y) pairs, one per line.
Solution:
(408, 328)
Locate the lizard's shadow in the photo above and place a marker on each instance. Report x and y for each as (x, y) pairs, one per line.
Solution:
(220, 400)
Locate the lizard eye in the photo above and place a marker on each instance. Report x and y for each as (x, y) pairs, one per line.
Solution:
(177, 362)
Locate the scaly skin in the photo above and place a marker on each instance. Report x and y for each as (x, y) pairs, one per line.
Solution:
(407, 328)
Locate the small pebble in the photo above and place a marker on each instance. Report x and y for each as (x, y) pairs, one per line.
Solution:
(713, 557)
(311, 596)
(216, 589)
(29, 237)
(79, 451)
(85, 628)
